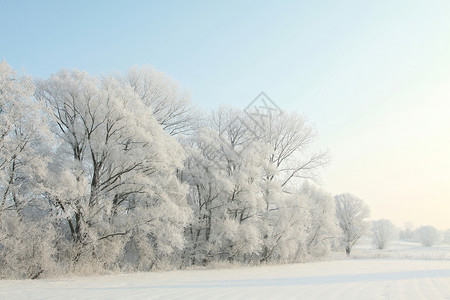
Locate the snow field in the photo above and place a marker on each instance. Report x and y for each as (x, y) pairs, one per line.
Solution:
(340, 279)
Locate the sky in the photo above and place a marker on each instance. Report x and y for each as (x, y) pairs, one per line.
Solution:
(373, 77)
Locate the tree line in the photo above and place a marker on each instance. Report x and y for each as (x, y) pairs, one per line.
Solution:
(122, 172)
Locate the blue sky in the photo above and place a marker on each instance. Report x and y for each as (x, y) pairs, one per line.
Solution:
(373, 77)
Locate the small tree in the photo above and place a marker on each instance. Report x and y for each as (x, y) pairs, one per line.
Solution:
(427, 235)
(351, 213)
(322, 227)
(383, 232)
(447, 236)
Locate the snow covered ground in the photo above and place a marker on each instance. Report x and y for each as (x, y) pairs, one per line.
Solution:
(401, 249)
(338, 279)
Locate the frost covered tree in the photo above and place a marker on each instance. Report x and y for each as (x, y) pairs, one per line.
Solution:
(427, 235)
(114, 184)
(288, 139)
(21, 128)
(26, 232)
(208, 182)
(243, 193)
(224, 192)
(323, 228)
(383, 231)
(351, 213)
(447, 236)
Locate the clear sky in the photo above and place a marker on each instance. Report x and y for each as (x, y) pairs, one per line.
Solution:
(372, 76)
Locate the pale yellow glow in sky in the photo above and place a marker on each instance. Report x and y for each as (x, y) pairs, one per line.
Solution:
(400, 165)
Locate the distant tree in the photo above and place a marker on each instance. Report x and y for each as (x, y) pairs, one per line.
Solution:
(408, 232)
(383, 232)
(351, 213)
(447, 236)
(427, 235)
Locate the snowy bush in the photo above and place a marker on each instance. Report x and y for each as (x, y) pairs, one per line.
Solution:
(447, 236)
(351, 213)
(427, 235)
(383, 231)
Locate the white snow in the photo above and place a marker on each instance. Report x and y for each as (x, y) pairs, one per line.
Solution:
(339, 279)
(401, 249)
